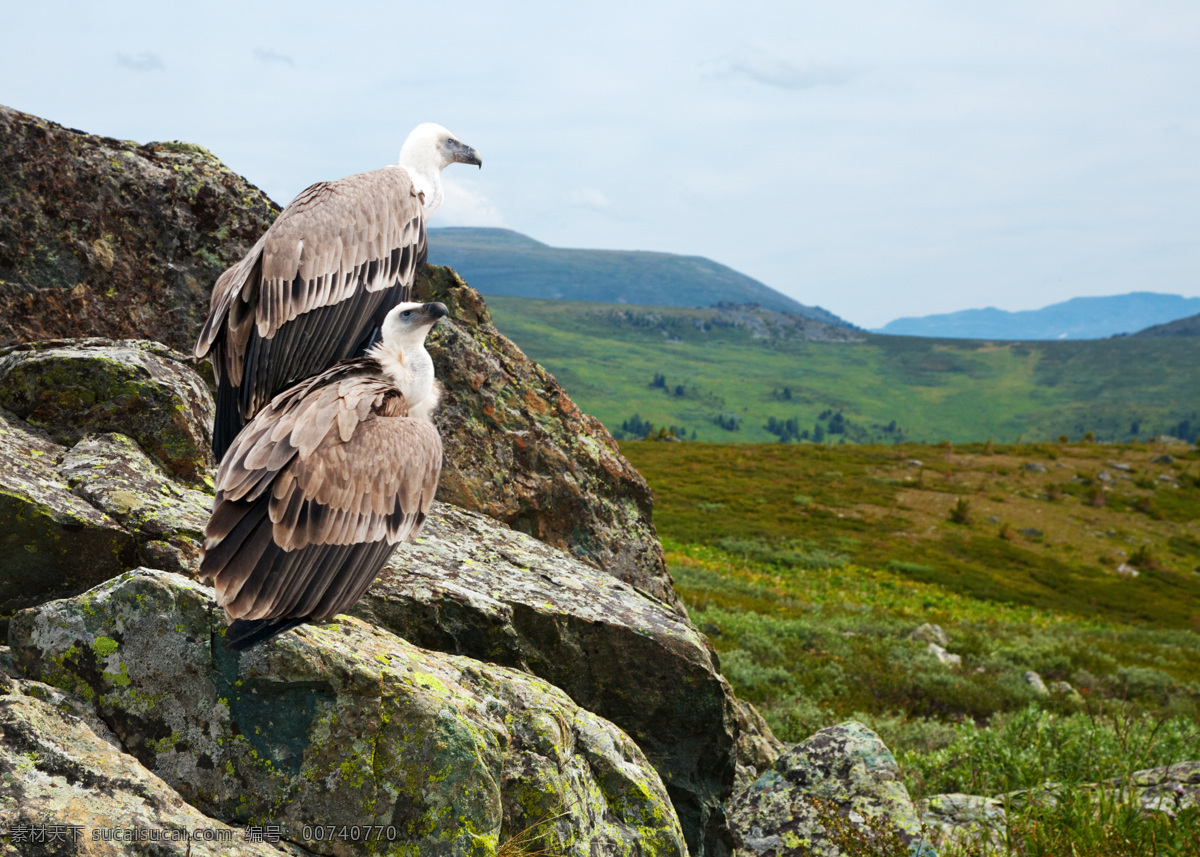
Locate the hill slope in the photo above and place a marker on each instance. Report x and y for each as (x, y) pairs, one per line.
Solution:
(1189, 326)
(503, 262)
(1078, 318)
(719, 377)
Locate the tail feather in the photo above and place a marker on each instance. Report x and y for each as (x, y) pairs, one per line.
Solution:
(244, 633)
(228, 421)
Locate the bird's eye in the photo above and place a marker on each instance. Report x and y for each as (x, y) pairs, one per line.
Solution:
(406, 314)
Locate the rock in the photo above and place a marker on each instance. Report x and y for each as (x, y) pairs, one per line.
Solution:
(1104, 476)
(64, 785)
(1170, 789)
(72, 388)
(1121, 465)
(843, 773)
(915, 462)
(472, 587)
(100, 237)
(1127, 570)
(1031, 532)
(520, 451)
(168, 519)
(1064, 689)
(757, 747)
(1035, 683)
(1035, 467)
(965, 823)
(1163, 459)
(52, 543)
(947, 658)
(928, 633)
(346, 724)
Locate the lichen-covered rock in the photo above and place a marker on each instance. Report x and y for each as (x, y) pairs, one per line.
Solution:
(965, 822)
(344, 725)
(469, 586)
(520, 451)
(52, 543)
(72, 388)
(65, 790)
(846, 768)
(757, 746)
(167, 518)
(100, 237)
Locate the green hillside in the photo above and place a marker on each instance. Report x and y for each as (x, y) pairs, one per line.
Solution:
(503, 262)
(727, 375)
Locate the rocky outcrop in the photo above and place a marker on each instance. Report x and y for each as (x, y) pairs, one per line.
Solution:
(840, 783)
(101, 237)
(345, 725)
(520, 451)
(469, 586)
(66, 790)
(73, 388)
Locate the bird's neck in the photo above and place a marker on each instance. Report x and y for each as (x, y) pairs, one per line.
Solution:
(409, 367)
(426, 175)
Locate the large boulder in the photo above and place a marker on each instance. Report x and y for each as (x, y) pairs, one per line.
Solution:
(101, 237)
(52, 542)
(65, 790)
(470, 586)
(72, 388)
(840, 785)
(520, 451)
(346, 727)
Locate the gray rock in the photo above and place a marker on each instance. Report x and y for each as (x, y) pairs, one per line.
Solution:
(928, 633)
(841, 775)
(1035, 467)
(470, 586)
(1064, 689)
(944, 657)
(1104, 476)
(114, 475)
(52, 543)
(63, 784)
(1163, 459)
(73, 388)
(346, 724)
(1035, 683)
(1121, 465)
(966, 823)
(757, 746)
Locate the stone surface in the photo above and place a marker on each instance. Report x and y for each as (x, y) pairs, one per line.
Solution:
(520, 451)
(1035, 683)
(469, 586)
(845, 766)
(757, 746)
(167, 519)
(946, 658)
(65, 790)
(100, 237)
(52, 543)
(72, 388)
(346, 724)
(928, 633)
(973, 824)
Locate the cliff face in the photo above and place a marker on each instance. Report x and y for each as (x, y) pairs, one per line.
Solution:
(101, 237)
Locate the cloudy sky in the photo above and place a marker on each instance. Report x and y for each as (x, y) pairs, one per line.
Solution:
(878, 159)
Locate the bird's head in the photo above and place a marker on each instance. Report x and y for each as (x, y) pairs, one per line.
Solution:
(407, 324)
(432, 146)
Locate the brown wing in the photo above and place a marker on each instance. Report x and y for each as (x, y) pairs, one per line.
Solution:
(314, 495)
(312, 290)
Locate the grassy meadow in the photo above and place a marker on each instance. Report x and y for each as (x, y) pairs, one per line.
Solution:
(809, 567)
(719, 379)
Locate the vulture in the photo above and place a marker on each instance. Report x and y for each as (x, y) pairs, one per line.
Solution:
(323, 483)
(316, 286)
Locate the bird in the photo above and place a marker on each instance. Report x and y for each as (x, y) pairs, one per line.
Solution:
(323, 484)
(315, 287)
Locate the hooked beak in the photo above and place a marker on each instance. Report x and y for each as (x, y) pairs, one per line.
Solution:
(467, 155)
(434, 311)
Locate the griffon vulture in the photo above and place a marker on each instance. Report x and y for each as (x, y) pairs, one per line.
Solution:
(316, 286)
(323, 483)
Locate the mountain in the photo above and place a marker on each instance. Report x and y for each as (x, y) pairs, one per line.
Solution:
(503, 262)
(1078, 318)
(1189, 326)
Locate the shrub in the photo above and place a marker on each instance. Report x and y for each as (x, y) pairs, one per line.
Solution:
(960, 512)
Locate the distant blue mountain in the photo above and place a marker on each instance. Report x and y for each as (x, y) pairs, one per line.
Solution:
(1078, 318)
(503, 262)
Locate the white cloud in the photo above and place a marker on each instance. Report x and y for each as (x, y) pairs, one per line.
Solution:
(590, 197)
(267, 55)
(466, 206)
(144, 61)
(771, 69)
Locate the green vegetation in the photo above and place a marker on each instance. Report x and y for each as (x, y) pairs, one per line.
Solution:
(698, 368)
(810, 567)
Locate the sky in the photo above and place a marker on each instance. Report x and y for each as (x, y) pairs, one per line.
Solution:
(879, 159)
